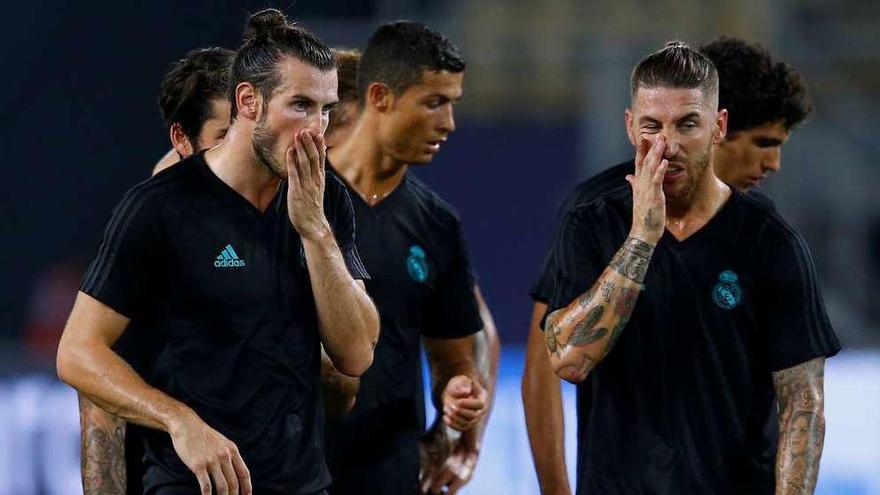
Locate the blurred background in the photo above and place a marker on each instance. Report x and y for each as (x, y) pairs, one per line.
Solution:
(545, 90)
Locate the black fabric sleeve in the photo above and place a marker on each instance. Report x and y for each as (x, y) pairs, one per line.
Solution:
(452, 310)
(578, 257)
(126, 269)
(340, 214)
(796, 324)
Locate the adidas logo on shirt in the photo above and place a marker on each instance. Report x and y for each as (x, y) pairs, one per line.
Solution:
(228, 258)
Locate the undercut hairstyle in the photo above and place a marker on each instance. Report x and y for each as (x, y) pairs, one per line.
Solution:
(399, 52)
(189, 87)
(268, 37)
(347, 60)
(756, 89)
(675, 66)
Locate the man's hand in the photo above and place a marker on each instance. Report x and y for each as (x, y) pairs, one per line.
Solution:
(464, 402)
(211, 457)
(305, 191)
(649, 202)
(446, 464)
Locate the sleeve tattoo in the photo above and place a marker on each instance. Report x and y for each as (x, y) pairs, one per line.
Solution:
(103, 450)
(583, 333)
(800, 397)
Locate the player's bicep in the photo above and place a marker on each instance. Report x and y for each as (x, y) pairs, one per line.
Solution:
(92, 321)
(800, 387)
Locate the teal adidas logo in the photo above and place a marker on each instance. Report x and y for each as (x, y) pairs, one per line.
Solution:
(228, 258)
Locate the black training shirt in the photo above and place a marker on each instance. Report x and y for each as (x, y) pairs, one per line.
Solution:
(684, 403)
(604, 181)
(224, 289)
(422, 285)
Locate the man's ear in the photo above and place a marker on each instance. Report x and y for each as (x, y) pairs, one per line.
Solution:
(180, 141)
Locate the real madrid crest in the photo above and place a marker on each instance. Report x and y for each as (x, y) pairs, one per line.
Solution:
(727, 293)
(417, 264)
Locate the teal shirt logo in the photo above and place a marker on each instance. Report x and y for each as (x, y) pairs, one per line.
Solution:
(417, 264)
(727, 293)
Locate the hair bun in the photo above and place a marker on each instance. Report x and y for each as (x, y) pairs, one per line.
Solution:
(264, 23)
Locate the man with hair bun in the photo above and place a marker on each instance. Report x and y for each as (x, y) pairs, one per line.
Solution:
(687, 312)
(766, 100)
(236, 410)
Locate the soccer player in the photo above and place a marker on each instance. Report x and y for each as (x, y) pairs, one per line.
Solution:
(409, 78)
(194, 103)
(766, 99)
(243, 260)
(195, 109)
(687, 312)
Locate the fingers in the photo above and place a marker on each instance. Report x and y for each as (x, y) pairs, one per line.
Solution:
(310, 145)
(243, 473)
(304, 166)
(443, 478)
(204, 481)
(290, 160)
(642, 150)
(459, 386)
(229, 473)
(657, 178)
(219, 479)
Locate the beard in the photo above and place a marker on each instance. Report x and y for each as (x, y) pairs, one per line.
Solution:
(264, 141)
(696, 170)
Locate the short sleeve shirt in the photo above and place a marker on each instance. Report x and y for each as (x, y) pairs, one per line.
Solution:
(422, 284)
(223, 289)
(684, 403)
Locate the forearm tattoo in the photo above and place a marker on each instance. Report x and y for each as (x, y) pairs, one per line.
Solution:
(800, 396)
(632, 259)
(103, 452)
(596, 319)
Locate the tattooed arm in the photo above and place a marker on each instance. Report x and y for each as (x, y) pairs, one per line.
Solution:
(801, 399)
(103, 450)
(581, 334)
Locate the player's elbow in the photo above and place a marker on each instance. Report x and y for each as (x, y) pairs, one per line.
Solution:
(357, 361)
(572, 367)
(66, 363)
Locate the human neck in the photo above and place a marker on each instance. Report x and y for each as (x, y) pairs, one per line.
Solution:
(686, 216)
(236, 164)
(370, 171)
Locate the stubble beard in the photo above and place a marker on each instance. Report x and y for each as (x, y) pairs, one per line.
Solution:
(263, 142)
(697, 170)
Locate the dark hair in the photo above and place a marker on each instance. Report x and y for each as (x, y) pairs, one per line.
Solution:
(347, 68)
(189, 86)
(754, 88)
(398, 52)
(267, 38)
(675, 66)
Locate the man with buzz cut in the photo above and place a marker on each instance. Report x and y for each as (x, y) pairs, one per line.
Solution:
(688, 313)
(766, 99)
(241, 260)
(409, 78)
(195, 110)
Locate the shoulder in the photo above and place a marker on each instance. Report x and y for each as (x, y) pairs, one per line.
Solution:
(153, 195)
(609, 179)
(429, 203)
(774, 232)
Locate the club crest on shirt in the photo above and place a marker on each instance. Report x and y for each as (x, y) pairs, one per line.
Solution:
(417, 264)
(727, 293)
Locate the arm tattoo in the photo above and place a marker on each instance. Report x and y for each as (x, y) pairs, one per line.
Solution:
(800, 396)
(103, 451)
(585, 332)
(632, 259)
(599, 315)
